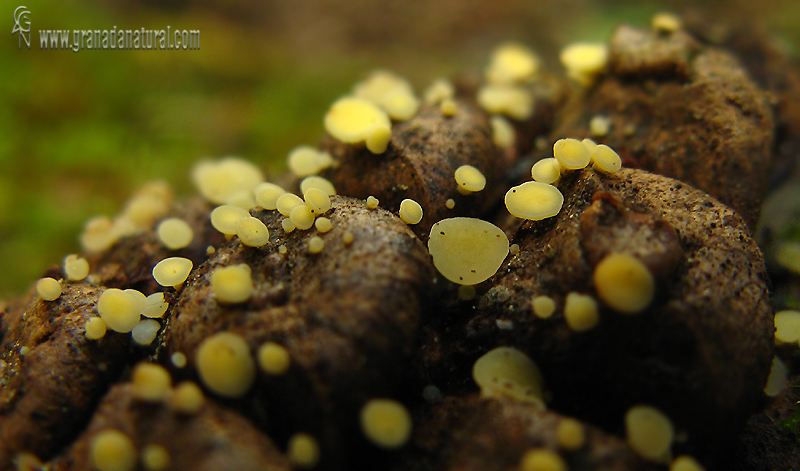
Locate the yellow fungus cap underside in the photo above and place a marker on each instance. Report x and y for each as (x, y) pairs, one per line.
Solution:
(470, 178)
(512, 62)
(787, 326)
(233, 284)
(580, 312)
(606, 159)
(546, 170)
(585, 58)
(386, 423)
(509, 372)
(649, 432)
(112, 450)
(467, 251)
(318, 182)
(572, 154)
(306, 160)
(685, 463)
(151, 382)
(252, 232)
(172, 271)
(267, 195)
(119, 310)
(410, 211)
(624, 283)
(221, 180)
(49, 289)
(542, 459)
(175, 233)
(225, 365)
(534, 201)
(778, 378)
(224, 218)
(303, 450)
(514, 102)
(352, 120)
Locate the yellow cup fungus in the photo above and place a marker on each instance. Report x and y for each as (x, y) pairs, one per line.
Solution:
(155, 458)
(119, 310)
(503, 133)
(221, 180)
(649, 432)
(302, 217)
(450, 203)
(225, 365)
(49, 289)
(148, 204)
(590, 144)
(410, 211)
(470, 178)
(624, 283)
(546, 170)
(303, 450)
(348, 238)
(76, 268)
(534, 201)
(151, 382)
(448, 107)
(155, 306)
(306, 160)
(580, 312)
(95, 328)
(187, 398)
(352, 120)
(572, 154)
(318, 200)
(315, 244)
(378, 139)
(178, 359)
(542, 459)
(512, 63)
(391, 92)
(372, 202)
(570, 434)
(287, 202)
(584, 61)
(386, 423)
(787, 326)
(512, 101)
(438, 91)
(273, 359)
(318, 182)
(225, 218)
(287, 225)
(509, 372)
(172, 271)
(778, 378)
(267, 195)
(665, 22)
(599, 125)
(233, 284)
(323, 225)
(514, 249)
(606, 159)
(112, 450)
(252, 232)
(175, 233)
(145, 331)
(98, 234)
(685, 463)
(467, 251)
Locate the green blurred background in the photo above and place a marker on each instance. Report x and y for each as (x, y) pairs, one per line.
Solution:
(80, 131)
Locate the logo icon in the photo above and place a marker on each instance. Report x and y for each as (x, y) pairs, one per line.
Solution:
(22, 17)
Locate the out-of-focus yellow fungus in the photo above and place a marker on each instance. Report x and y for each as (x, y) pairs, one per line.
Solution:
(599, 125)
(243, 199)
(584, 61)
(542, 459)
(543, 306)
(685, 463)
(348, 238)
(303, 450)
(172, 271)
(438, 91)
(352, 120)
(97, 234)
(95, 328)
(273, 358)
(467, 251)
(514, 102)
(233, 284)
(151, 382)
(470, 178)
(778, 378)
(606, 159)
(187, 398)
(649, 432)
(512, 63)
(25, 461)
(378, 139)
(315, 244)
(112, 450)
(372, 202)
(665, 22)
(391, 92)
(175, 233)
(318, 182)
(787, 326)
(570, 434)
(76, 268)
(267, 195)
(580, 312)
(503, 133)
(448, 107)
(624, 283)
(509, 372)
(318, 200)
(323, 225)
(178, 359)
(788, 256)
(546, 171)
(410, 211)
(225, 365)
(155, 458)
(534, 201)
(306, 160)
(118, 309)
(49, 289)
(219, 181)
(386, 423)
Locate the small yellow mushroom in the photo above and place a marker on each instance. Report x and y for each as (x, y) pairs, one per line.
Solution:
(599, 125)
(151, 382)
(252, 232)
(570, 434)
(467, 251)
(225, 365)
(503, 133)
(410, 211)
(303, 450)
(175, 233)
(572, 154)
(788, 256)
(666, 22)
(512, 101)
(386, 423)
(348, 238)
(534, 201)
(318, 182)
(438, 91)
(372, 202)
(302, 217)
(178, 359)
(391, 92)
(509, 372)
(512, 63)
(450, 203)
(685, 463)
(224, 218)
(448, 107)
(267, 195)
(172, 271)
(378, 139)
(112, 450)
(306, 160)
(273, 359)
(187, 398)
(155, 306)
(624, 283)
(543, 307)
(287, 202)
(787, 326)
(470, 178)
(76, 268)
(49, 289)
(287, 225)
(145, 331)
(649, 432)
(119, 310)
(584, 61)
(351, 120)
(219, 181)
(323, 225)
(233, 284)
(606, 159)
(95, 328)
(97, 235)
(546, 171)
(155, 458)
(315, 244)
(580, 312)
(318, 200)
(542, 459)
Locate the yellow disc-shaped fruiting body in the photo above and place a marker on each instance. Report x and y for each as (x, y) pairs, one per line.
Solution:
(49, 289)
(306, 160)
(386, 423)
(267, 195)
(787, 326)
(534, 201)
(233, 284)
(410, 211)
(303, 450)
(571, 154)
(580, 312)
(112, 450)
(151, 382)
(219, 181)
(467, 251)
(649, 432)
(172, 271)
(542, 459)
(119, 310)
(512, 63)
(352, 120)
(252, 232)
(273, 358)
(546, 170)
(509, 372)
(606, 159)
(624, 283)
(225, 364)
(470, 178)
(175, 233)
